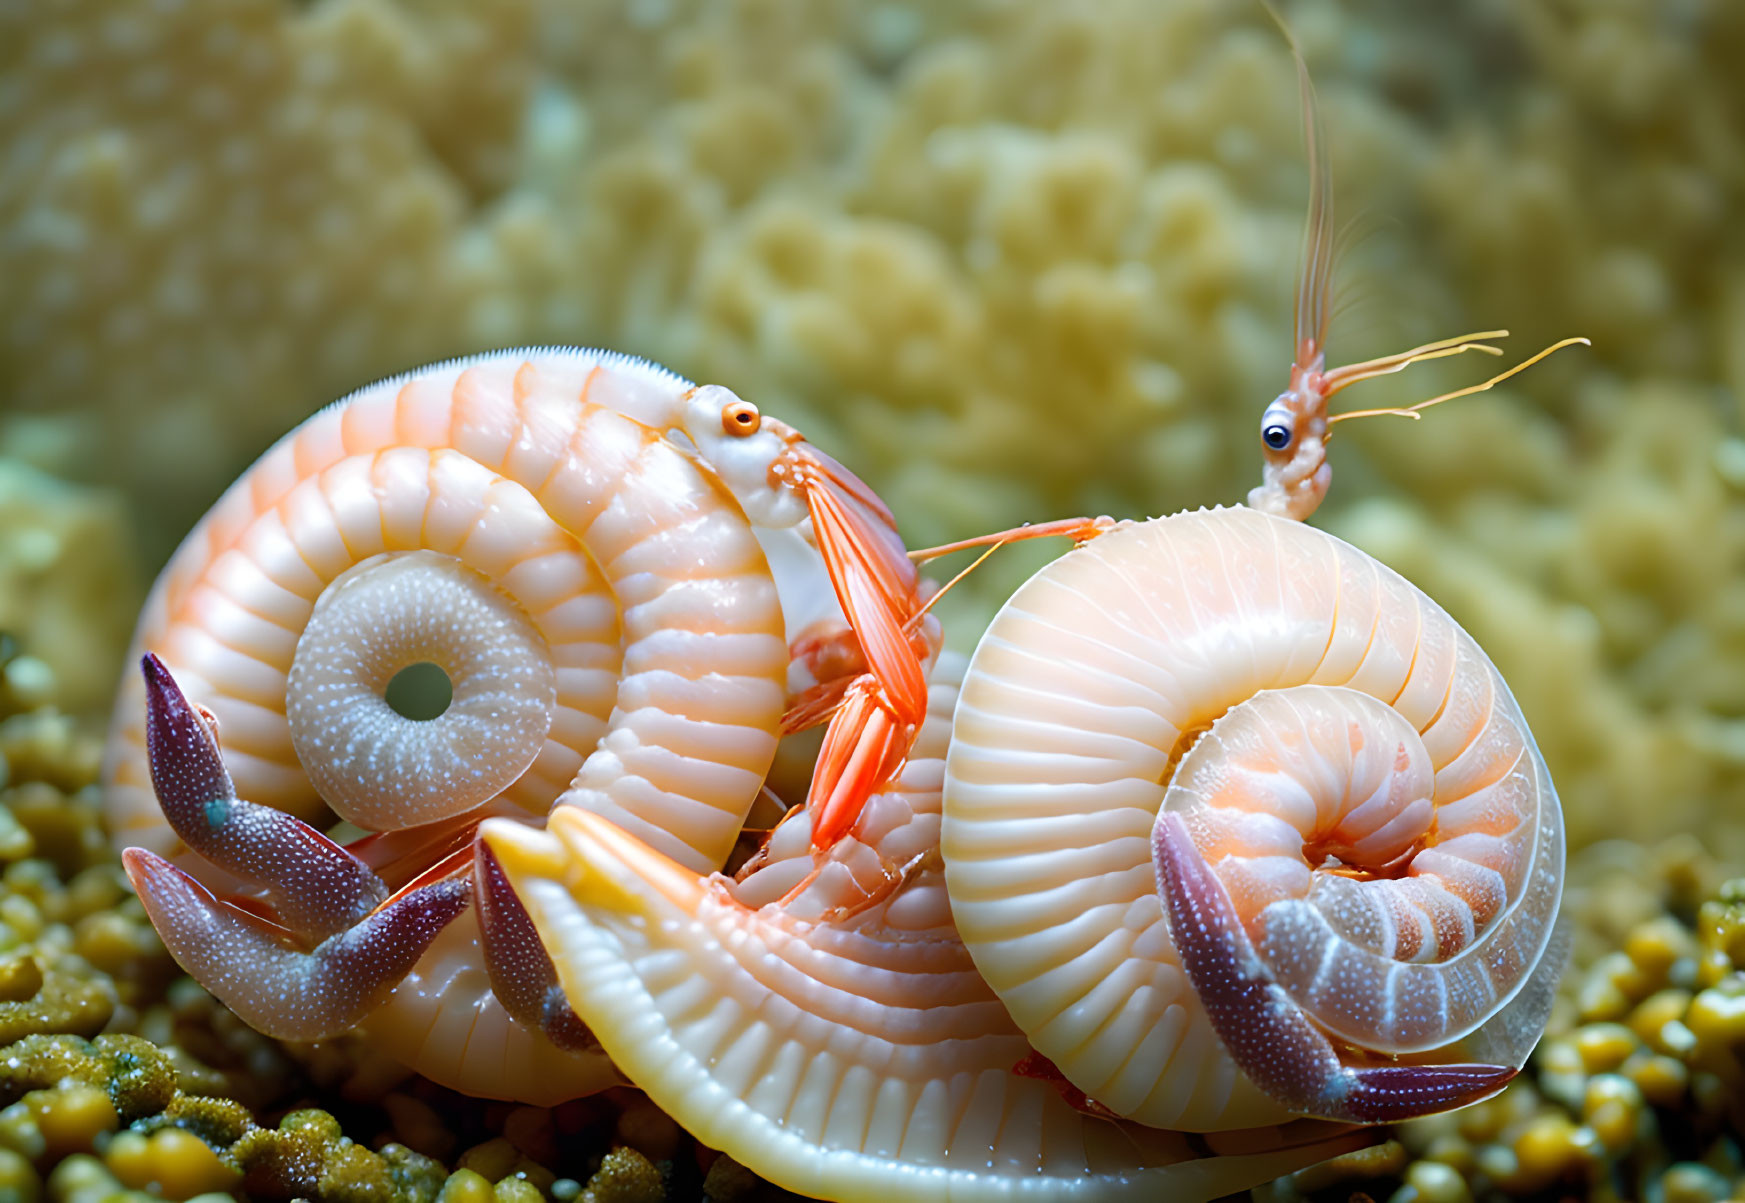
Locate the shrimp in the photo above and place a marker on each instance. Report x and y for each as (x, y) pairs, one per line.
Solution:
(577, 540)
(870, 673)
(1295, 428)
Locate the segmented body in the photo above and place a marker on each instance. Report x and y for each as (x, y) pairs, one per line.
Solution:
(830, 1029)
(644, 584)
(1343, 755)
(1350, 764)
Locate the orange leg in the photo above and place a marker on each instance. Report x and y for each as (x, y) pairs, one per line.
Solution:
(864, 747)
(829, 651)
(894, 878)
(816, 705)
(870, 732)
(878, 714)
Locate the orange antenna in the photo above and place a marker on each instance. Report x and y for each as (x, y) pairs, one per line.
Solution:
(1076, 529)
(1452, 346)
(952, 583)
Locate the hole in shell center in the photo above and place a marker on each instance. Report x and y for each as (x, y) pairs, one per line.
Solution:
(420, 692)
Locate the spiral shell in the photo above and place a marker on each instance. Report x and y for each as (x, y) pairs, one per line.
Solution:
(596, 595)
(1345, 757)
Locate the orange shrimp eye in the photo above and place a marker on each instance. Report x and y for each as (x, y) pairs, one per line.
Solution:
(740, 418)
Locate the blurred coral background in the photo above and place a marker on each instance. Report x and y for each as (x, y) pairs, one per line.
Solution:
(1009, 260)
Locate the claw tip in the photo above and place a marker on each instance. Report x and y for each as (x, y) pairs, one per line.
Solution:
(160, 684)
(156, 673)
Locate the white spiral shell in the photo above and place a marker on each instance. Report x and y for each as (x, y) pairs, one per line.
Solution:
(1307, 710)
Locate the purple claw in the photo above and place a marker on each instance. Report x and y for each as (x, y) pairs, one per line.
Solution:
(186, 770)
(522, 974)
(1388, 1093)
(1267, 1033)
(317, 887)
(276, 989)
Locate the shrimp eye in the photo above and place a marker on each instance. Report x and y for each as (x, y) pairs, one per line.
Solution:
(1276, 435)
(740, 418)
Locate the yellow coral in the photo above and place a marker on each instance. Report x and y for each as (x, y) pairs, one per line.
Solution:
(1010, 262)
(67, 597)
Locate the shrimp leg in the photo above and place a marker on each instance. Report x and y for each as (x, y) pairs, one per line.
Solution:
(1077, 529)
(870, 734)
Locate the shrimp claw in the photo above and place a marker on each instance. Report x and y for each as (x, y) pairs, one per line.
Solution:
(1267, 1033)
(879, 712)
(522, 975)
(316, 887)
(276, 988)
(869, 735)
(319, 894)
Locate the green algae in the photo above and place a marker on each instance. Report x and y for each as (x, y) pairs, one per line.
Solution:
(137, 1076)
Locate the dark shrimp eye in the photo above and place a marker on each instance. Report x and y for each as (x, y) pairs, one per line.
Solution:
(1276, 435)
(740, 418)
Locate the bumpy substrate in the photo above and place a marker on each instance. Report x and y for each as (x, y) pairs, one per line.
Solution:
(119, 1079)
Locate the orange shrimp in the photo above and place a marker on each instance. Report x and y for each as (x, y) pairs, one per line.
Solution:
(869, 677)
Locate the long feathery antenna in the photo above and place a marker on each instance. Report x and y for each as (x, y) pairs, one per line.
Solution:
(1311, 311)
(1309, 315)
(1416, 411)
(1318, 232)
(1350, 296)
(1354, 231)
